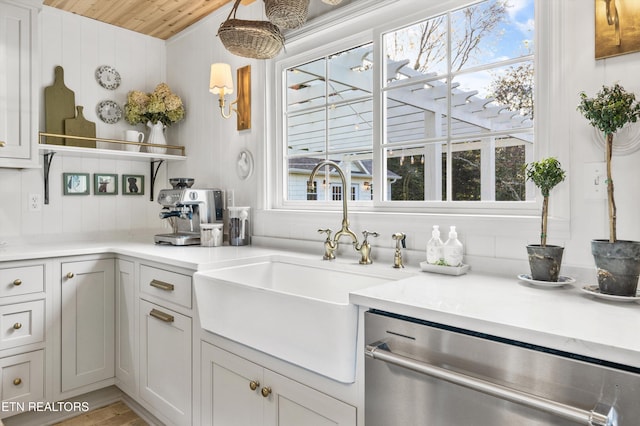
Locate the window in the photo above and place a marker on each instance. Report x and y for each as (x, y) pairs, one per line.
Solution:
(329, 115)
(456, 119)
(458, 95)
(336, 192)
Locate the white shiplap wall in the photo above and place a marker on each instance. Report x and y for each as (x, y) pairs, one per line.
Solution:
(80, 45)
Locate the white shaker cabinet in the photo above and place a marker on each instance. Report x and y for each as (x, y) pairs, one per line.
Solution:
(165, 343)
(18, 71)
(87, 322)
(239, 392)
(22, 334)
(126, 357)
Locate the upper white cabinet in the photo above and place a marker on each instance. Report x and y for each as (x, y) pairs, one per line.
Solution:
(19, 100)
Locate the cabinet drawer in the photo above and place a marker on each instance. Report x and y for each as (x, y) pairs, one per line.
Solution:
(21, 280)
(23, 377)
(21, 324)
(166, 285)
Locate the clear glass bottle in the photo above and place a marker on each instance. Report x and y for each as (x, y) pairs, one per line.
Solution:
(453, 249)
(434, 247)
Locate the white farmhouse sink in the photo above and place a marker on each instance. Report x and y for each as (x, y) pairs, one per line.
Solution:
(293, 308)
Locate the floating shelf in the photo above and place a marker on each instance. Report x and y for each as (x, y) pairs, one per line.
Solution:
(155, 160)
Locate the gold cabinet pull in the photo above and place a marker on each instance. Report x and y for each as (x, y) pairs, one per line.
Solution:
(161, 285)
(70, 275)
(161, 315)
(17, 381)
(266, 391)
(17, 281)
(254, 384)
(17, 326)
(2, 144)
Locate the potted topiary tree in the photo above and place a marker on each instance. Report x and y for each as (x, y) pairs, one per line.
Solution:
(545, 260)
(617, 261)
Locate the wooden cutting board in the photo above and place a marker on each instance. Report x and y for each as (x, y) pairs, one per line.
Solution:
(80, 126)
(59, 104)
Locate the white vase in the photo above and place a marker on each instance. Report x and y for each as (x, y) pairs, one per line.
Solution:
(156, 136)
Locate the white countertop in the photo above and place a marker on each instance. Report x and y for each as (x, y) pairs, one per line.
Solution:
(142, 246)
(562, 318)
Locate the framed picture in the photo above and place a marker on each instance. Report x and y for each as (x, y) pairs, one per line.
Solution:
(105, 184)
(132, 184)
(617, 27)
(75, 183)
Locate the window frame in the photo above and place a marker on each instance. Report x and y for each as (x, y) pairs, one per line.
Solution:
(548, 25)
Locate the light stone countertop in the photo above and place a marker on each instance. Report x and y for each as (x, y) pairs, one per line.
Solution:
(141, 246)
(561, 318)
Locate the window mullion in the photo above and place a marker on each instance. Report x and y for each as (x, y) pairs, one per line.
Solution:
(449, 163)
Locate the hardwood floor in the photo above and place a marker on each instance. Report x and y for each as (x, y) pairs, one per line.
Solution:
(116, 414)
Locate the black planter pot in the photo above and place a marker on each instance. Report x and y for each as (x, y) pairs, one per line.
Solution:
(545, 262)
(617, 265)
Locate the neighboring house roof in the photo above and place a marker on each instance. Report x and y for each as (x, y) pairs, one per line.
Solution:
(360, 168)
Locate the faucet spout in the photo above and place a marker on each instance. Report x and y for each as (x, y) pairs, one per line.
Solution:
(345, 230)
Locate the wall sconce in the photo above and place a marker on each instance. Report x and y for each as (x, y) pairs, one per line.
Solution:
(366, 186)
(221, 84)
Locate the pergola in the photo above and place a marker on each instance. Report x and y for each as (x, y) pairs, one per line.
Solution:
(330, 109)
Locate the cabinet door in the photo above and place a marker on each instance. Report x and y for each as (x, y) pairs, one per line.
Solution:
(15, 83)
(126, 360)
(165, 361)
(292, 404)
(231, 389)
(87, 316)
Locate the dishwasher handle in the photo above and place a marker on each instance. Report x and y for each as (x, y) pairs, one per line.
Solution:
(601, 415)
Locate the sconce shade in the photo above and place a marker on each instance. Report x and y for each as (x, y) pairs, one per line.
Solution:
(220, 80)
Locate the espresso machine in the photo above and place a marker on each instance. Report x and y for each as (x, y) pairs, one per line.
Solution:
(186, 208)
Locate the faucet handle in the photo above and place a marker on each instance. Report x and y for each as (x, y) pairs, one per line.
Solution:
(367, 233)
(329, 246)
(325, 231)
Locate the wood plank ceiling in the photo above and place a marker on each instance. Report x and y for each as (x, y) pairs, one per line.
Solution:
(156, 18)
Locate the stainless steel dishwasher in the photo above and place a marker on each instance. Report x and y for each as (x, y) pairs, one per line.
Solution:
(427, 374)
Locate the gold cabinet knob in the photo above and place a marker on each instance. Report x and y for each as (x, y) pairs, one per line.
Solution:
(254, 384)
(17, 381)
(17, 281)
(17, 326)
(266, 391)
(2, 144)
(70, 275)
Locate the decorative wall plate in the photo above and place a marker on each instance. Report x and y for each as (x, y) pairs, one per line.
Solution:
(108, 77)
(625, 141)
(244, 164)
(109, 112)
